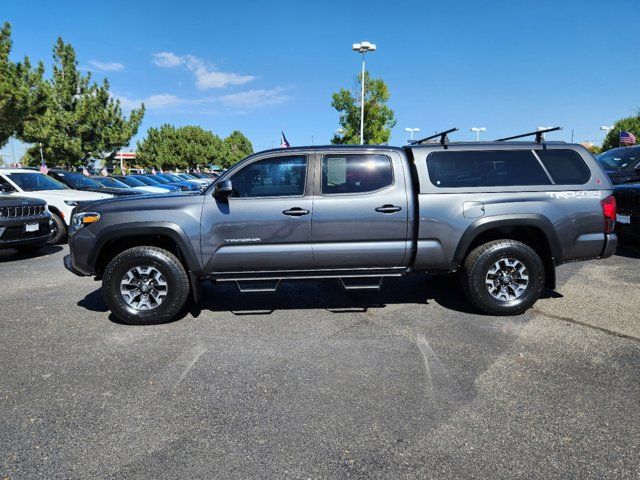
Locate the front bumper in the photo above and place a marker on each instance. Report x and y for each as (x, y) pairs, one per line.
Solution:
(610, 245)
(13, 234)
(68, 264)
(81, 243)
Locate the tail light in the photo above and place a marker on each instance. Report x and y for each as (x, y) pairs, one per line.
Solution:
(609, 211)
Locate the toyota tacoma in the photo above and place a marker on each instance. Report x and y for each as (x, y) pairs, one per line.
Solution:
(502, 214)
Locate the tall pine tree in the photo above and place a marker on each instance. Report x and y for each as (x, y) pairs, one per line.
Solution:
(22, 92)
(81, 120)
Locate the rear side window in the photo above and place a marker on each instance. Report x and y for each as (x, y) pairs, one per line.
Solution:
(566, 167)
(492, 168)
(358, 173)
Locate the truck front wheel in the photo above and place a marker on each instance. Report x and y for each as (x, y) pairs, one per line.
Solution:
(503, 277)
(145, 285)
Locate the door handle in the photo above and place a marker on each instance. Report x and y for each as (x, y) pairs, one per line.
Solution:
(388, 209)
(296, 212)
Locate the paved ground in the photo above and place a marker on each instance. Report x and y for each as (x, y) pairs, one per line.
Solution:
(313, 382)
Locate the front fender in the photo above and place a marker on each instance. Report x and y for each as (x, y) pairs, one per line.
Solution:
(166, 229)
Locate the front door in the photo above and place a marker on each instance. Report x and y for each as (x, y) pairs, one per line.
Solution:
(360, 214)
(266, 222)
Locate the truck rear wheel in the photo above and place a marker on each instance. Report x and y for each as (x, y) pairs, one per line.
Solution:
(503, 277)
(145, 285)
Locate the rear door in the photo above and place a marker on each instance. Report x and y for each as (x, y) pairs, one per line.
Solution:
(266, 223)
(360, 211)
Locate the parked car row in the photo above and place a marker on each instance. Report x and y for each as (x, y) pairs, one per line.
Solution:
(56, 194)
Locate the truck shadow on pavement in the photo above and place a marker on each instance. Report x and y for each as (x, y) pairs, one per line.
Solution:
(326, 295)
(628, 251)
(10, 255)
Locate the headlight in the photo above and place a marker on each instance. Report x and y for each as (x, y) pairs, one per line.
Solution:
(71, 203)
(79, 220)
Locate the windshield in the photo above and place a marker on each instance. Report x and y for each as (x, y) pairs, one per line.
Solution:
(619, 159)
(187, 176)
(159, 178)
(172, 178)
(146, 180)
(34, 182)
(111, 182)
(78, 180)
(132, 182)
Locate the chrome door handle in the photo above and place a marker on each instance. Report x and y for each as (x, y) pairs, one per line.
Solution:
(296, 212)
(388, 209)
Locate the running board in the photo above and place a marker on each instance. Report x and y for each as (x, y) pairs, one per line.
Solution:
(371, 273)
(370, 284)
(255, 286)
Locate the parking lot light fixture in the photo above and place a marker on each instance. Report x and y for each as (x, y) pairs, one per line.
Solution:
(411, 131)
(363, 48)
(606, 128)
(478, 130)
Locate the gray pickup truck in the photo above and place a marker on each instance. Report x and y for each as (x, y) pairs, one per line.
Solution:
(503, 214)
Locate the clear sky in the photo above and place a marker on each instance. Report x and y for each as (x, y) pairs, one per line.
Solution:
(507, 65)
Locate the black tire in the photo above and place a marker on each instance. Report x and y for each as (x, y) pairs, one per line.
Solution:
(483, 258)
(170, 268)
(58, 230)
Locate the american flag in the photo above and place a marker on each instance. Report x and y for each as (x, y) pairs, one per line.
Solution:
(284, 143)
(627, 138)
(104, 172)
(153, 171)
(43, 168)
(85, 171)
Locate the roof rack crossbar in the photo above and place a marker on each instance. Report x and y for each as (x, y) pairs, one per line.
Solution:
(444, 139)
(538, 133)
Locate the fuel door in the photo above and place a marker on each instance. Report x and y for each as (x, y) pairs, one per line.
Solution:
(473, 209)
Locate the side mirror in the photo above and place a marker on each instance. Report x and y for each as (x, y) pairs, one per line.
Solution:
(223, 189)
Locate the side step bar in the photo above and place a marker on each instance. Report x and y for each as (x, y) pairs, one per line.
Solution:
(371, 284)
(255, 286)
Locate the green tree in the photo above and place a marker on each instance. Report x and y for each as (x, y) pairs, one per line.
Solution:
(629, 124)
(168, 147)
(22, 92)
(378, 117)
(81, 120)
(236, 147)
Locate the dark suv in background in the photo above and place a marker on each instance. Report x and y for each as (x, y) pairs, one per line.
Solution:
(621, 164)
(24, 223)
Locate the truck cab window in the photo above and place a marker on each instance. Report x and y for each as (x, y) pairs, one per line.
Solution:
(271, 177)
(359, 173)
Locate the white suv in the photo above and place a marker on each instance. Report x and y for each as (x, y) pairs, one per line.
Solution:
(60, 198)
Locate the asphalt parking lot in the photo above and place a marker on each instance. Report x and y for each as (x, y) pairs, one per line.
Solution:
(313, 382)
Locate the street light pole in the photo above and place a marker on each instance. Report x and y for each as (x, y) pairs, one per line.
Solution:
(363, 48)
(478, 130)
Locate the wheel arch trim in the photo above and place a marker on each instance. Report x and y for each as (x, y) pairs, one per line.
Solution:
(166, 229)
(518, 220)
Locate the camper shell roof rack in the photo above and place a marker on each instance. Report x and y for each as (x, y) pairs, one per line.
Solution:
(444, 138)
(538, 133)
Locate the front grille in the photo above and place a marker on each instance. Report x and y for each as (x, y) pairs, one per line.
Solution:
(18, 233)
(628, 199)
(22, 211)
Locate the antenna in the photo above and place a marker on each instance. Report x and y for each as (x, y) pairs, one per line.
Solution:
(538, 133)
(444, 139)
